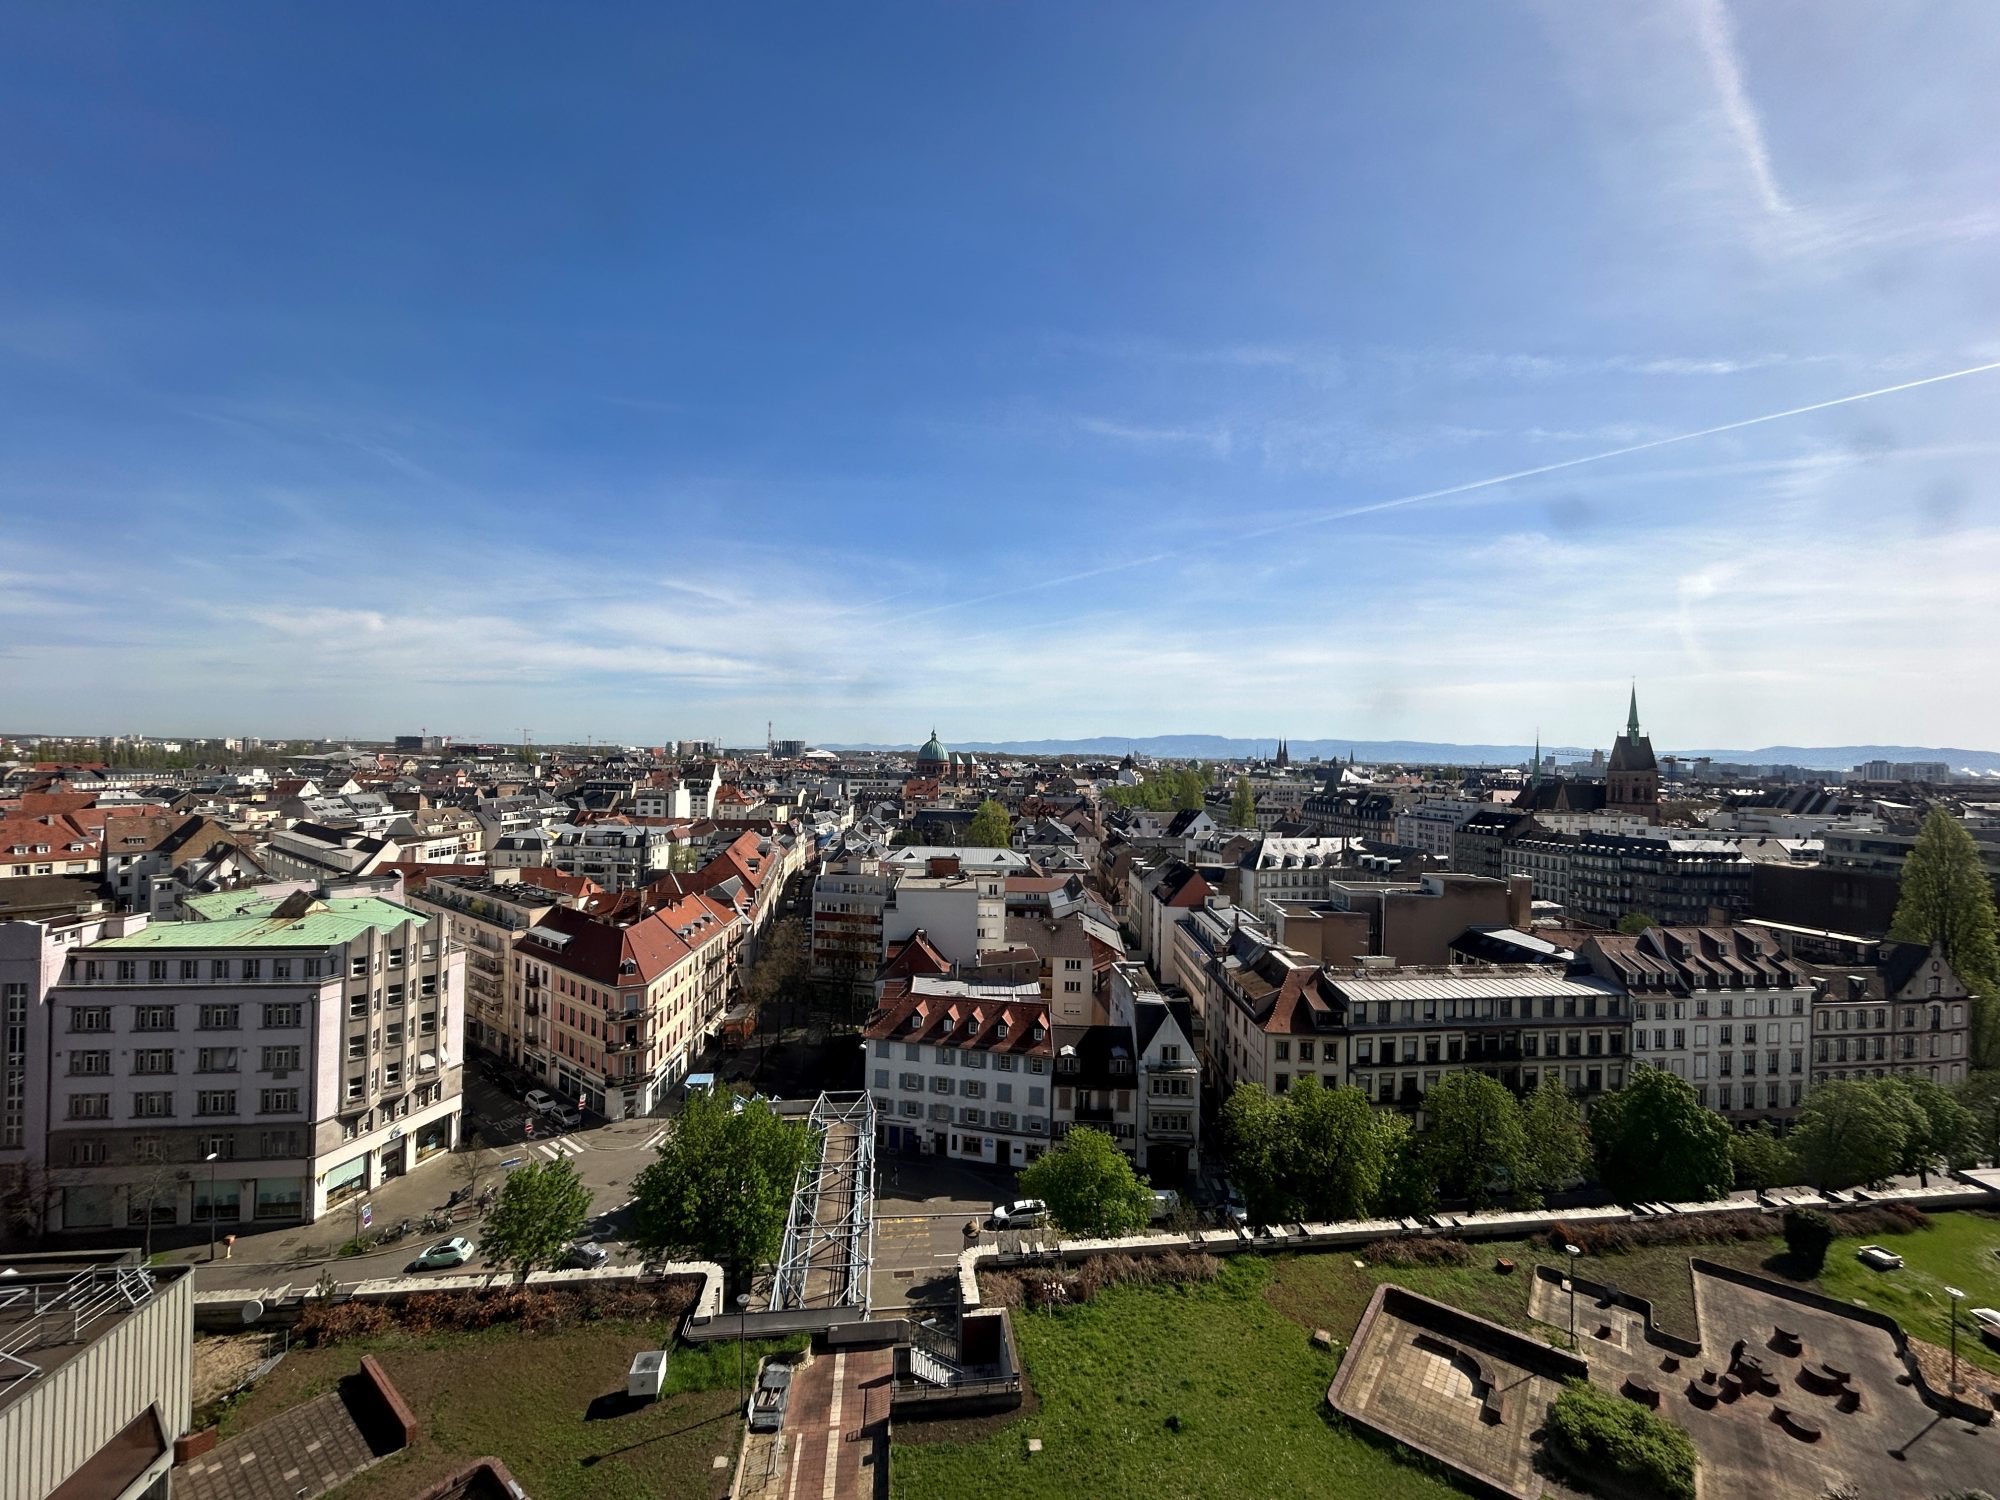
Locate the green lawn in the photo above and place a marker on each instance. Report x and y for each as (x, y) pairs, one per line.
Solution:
(1203, 1391)
(523, 1399)
(1957, 1250)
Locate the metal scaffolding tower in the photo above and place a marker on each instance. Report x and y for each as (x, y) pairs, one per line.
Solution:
(829, 1244)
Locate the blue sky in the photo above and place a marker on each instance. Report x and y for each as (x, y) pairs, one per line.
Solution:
(1029, 370)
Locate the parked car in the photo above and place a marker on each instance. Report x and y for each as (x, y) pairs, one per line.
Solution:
(1166, 1203)
(584, 1255)
(568, 1116)
(541, 1101)
(1023, 1213)
(1231, 1212)
(1880, 1259)
(767, 1402)
(455, 1251)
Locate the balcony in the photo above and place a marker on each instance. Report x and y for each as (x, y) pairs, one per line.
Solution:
(1094, 1114)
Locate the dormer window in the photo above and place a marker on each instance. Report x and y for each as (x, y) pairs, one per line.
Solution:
(1001, 1031)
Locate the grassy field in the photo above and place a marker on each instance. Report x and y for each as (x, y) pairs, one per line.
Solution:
(1957, 1250)
(1215, 1390)
(526, 1400)
(1202, 1391)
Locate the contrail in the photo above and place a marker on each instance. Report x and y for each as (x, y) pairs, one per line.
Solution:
(1610, 453)
(1400, 502)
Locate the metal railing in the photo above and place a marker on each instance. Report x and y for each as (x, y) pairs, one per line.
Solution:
(54, 1314)
(828, 1251)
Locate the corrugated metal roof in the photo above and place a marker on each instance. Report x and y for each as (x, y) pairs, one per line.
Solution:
(1469, 986)
(341, 920)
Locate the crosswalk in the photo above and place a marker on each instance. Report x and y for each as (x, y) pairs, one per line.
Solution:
(560, 1147)
(658, 1138)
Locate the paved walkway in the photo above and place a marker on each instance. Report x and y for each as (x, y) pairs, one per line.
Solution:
(836, 1439)
(298, 1454)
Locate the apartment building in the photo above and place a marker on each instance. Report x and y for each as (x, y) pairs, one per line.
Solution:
(264, 1061)
(615, 855)
(1271, 1018)
(1722, 1007)
(1407, 1028)
(481, 917)
(1167, 1086)
(962, 1070)
(849, 895)
(614, 1012)
(1428, 825)
(1678, 882)
(1288, 869)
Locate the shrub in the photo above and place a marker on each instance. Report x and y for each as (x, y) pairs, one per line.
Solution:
(1599, 1433)
(1049, 1286)
(336, 1322)
(1808, 1234)
(1417, 1251)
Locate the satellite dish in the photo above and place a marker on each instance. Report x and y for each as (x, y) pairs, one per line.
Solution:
(252, 1310)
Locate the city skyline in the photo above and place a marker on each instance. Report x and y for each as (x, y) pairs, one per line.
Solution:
(1051, 375)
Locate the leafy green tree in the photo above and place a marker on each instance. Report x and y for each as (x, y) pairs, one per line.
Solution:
(991, 828)
(1334, 1152)
(1253, 1136)
(1980, 1093)
(1635, 922)
(1557, 1144)
(1599, 1433)
(1945, 1133)
(1189, 791)
(1310, 1153)
(1243, 807)
(1762, 1159)
(541, 1209)
(1947, 899)
(1473, 1136)
(1850, 1132)
(1407, 1184)
(1656, 1142)
(1089, 1186)
(722, 1184)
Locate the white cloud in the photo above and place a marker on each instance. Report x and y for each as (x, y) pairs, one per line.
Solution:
(1718, 49)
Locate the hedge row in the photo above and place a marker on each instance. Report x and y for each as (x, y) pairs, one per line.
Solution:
(534, 1310)
(1037, 1287)
(1716, 1229)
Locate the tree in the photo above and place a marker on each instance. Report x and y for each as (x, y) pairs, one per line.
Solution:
(1474, 1136)
(1635, 922)
(1243, 807)
(1944, 1132)
(1188, 791)
(1980, 1093)
(1947, 899)
(1808, 1235)
(1407, 1187)
(1309, 1153)
(722, 1185)
(990, 828)
(541, 1210)
(1761, 1159)
(1089, 1186)
(1656, 1142)
(1849, 1133)
(1557, 1145)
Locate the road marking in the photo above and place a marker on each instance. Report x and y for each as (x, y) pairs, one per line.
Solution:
(831, 1472)
(657, 1139)
(556, 1150)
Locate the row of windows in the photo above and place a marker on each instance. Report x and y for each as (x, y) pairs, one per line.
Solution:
(161, 1060)
(189, 970)
(1572, 1007)
(276, 1017)
(151, 1148)
(159, 1104)
(1001, 1119)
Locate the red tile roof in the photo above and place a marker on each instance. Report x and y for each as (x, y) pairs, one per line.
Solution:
(962, 1021)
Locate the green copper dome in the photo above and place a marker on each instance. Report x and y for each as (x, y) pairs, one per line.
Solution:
(933, 752)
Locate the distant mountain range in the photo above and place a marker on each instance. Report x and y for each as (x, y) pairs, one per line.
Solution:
(1223, 747)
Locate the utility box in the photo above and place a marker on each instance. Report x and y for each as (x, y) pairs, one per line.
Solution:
(648, 1374)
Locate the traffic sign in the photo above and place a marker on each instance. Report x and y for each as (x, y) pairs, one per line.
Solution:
(367, 1214)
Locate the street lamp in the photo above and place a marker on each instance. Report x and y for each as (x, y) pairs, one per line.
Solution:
(1572, 1251)
(1957, 1297)
(211, 1160)
(742, 1322)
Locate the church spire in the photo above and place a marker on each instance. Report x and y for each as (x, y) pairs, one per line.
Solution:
(1535, 770)
(1632, 719)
